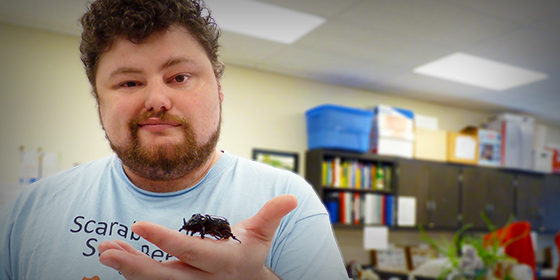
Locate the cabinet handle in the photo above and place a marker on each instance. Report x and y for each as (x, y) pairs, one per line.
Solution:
(430, 205)
(541, 213)
(489, 209)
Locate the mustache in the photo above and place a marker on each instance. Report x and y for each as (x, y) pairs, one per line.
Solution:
(163, 115)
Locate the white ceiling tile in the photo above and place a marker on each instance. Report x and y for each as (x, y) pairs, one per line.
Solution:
(433, 21)
(246, 50)
(550, 26)
(409, 81)
(274, 23)
(526, 47)
(519, 11)
(371, 44)
(324, 8)
(325, 67)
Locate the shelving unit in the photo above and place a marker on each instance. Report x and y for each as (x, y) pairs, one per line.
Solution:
(448, 195)
(367, 182)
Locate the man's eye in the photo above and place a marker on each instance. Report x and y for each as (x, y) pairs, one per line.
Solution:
(180, 78)
(130, 84)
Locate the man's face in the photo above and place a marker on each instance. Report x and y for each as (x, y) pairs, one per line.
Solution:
(159, 104)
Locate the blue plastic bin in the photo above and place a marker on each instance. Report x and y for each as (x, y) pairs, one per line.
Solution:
(338, 127)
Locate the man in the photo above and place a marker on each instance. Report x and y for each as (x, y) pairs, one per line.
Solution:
(155, 73)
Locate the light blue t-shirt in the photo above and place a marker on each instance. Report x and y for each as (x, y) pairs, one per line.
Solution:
(54, 227)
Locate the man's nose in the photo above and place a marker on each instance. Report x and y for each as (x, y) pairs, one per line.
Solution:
(158, 97)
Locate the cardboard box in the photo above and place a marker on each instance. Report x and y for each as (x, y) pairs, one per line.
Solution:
(392, 122)
(430, 144)
(426, 122)
(517, 139)
(392, 147)
(392, 131)
(462, 148)
(539, 141)
(489, 145)
(542, 160)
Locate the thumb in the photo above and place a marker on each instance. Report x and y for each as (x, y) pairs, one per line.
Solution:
(264, 224)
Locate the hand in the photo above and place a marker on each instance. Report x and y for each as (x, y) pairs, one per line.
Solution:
(202, 258)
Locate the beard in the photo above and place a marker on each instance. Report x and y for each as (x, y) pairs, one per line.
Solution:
(165, 162)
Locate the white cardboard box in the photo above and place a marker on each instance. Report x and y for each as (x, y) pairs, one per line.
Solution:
(542, 160)
(539, 141)
(393, 122)
(392, 147)
(426, 122)
(517, 139)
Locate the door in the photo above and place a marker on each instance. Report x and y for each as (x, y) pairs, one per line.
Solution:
(435, 187)
(529, 195)
(489, 192)
(551, 204)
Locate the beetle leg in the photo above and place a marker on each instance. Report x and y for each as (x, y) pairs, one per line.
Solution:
(184, 224)
(232, 236)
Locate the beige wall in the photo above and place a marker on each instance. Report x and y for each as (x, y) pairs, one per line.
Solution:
(46, 103)
(46, 100)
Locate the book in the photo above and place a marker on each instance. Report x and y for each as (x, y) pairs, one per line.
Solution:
(332, 202)
(389, 210)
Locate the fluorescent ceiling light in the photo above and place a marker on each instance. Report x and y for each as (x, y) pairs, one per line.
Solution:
(480, 72)
(262, 20)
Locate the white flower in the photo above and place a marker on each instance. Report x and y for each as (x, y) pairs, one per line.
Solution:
(470, 261)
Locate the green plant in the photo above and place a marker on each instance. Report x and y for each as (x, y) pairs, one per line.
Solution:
(470, 256)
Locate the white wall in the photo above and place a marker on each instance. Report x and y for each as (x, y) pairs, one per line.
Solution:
(46, 102)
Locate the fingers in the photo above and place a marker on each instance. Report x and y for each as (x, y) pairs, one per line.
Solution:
(191, 250)
(133, 264)
(113, 252)
(117, 245)
(264, 224)
(121, 256)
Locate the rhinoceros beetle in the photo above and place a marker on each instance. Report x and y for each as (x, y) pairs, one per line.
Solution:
(216, 226)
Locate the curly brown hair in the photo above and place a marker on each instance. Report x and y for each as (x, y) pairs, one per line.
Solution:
(106, 20)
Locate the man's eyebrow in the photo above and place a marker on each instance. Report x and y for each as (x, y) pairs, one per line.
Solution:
(124, 70)
(177, 60)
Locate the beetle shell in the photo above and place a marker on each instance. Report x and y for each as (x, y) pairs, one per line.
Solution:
(216, 226)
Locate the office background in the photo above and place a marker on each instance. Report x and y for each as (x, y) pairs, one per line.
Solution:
(46, 102)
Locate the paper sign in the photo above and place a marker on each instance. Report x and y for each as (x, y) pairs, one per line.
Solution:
(465, 147)
(50, 164)
(376, 238)
(29, 169)
(406, 211)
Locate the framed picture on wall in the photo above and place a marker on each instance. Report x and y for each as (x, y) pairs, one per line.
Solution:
(283, 160)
